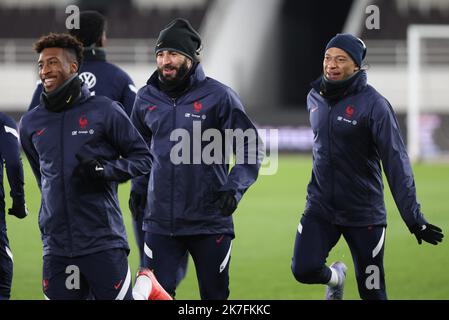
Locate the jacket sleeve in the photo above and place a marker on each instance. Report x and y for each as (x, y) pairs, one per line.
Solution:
(395, 161)
(128, 94)
(30, 151)
(249, 152)
(9, 149)
(35, 100)
(140, 184)
(135, 159)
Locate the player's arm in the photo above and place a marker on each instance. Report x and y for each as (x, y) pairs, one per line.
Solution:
(9, 149)
(248, 156)
(395, 161)
(30, 151)
(135, 158)
(139, 185)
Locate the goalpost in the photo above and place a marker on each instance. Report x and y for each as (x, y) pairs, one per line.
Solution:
(416, 34)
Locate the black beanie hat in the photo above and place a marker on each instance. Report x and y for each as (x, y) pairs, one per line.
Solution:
(92, 25)
(179, 36)
(353, 46)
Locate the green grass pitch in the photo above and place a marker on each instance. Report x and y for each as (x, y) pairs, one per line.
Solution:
(265, 225)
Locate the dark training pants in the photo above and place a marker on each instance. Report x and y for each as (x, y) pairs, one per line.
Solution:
(210, 253)
(6, 262)
(139, 235)
(314, 240)
(103, 275)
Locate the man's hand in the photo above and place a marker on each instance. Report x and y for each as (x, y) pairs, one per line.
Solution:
(137, 203)
(429, 233)
(227, 202)
(19, 209)
(89, 169)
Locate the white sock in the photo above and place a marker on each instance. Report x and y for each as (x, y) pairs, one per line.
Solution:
(142, 288)
(334, 278)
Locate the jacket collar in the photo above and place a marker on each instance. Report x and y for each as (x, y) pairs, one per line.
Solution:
(354, 86)
(94, 53)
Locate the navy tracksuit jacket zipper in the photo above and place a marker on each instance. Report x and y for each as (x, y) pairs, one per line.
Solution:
(69, 223)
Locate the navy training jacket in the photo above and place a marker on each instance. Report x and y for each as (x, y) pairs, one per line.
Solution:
(103, 79)
(80, 217)
(10, 156)
(351, 139)
(181, 196)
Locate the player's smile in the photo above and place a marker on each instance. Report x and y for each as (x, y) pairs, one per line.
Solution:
(49, 83)
(332, 75)
(169, 71)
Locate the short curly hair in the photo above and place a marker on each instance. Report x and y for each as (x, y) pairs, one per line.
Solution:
(61, 40)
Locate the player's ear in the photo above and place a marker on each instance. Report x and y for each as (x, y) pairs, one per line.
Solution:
(73, 67)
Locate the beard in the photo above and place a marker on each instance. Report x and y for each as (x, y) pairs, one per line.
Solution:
(180, 74)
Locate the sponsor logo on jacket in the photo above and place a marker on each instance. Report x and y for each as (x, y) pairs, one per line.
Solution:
(197, 106)
(83, 124)
(41, 131)
(349, 112)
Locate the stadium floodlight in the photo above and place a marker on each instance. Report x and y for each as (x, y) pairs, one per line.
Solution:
(415, 35)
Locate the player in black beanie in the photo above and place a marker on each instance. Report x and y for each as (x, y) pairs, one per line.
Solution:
(188, 206)
(177, 49)
(92, 31)
(179, 36)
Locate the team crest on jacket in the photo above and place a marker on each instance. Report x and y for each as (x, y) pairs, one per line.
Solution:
(349, 111)
(83, 122)
(197, 106)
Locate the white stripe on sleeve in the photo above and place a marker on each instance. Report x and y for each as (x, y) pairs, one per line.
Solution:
(12, 131)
